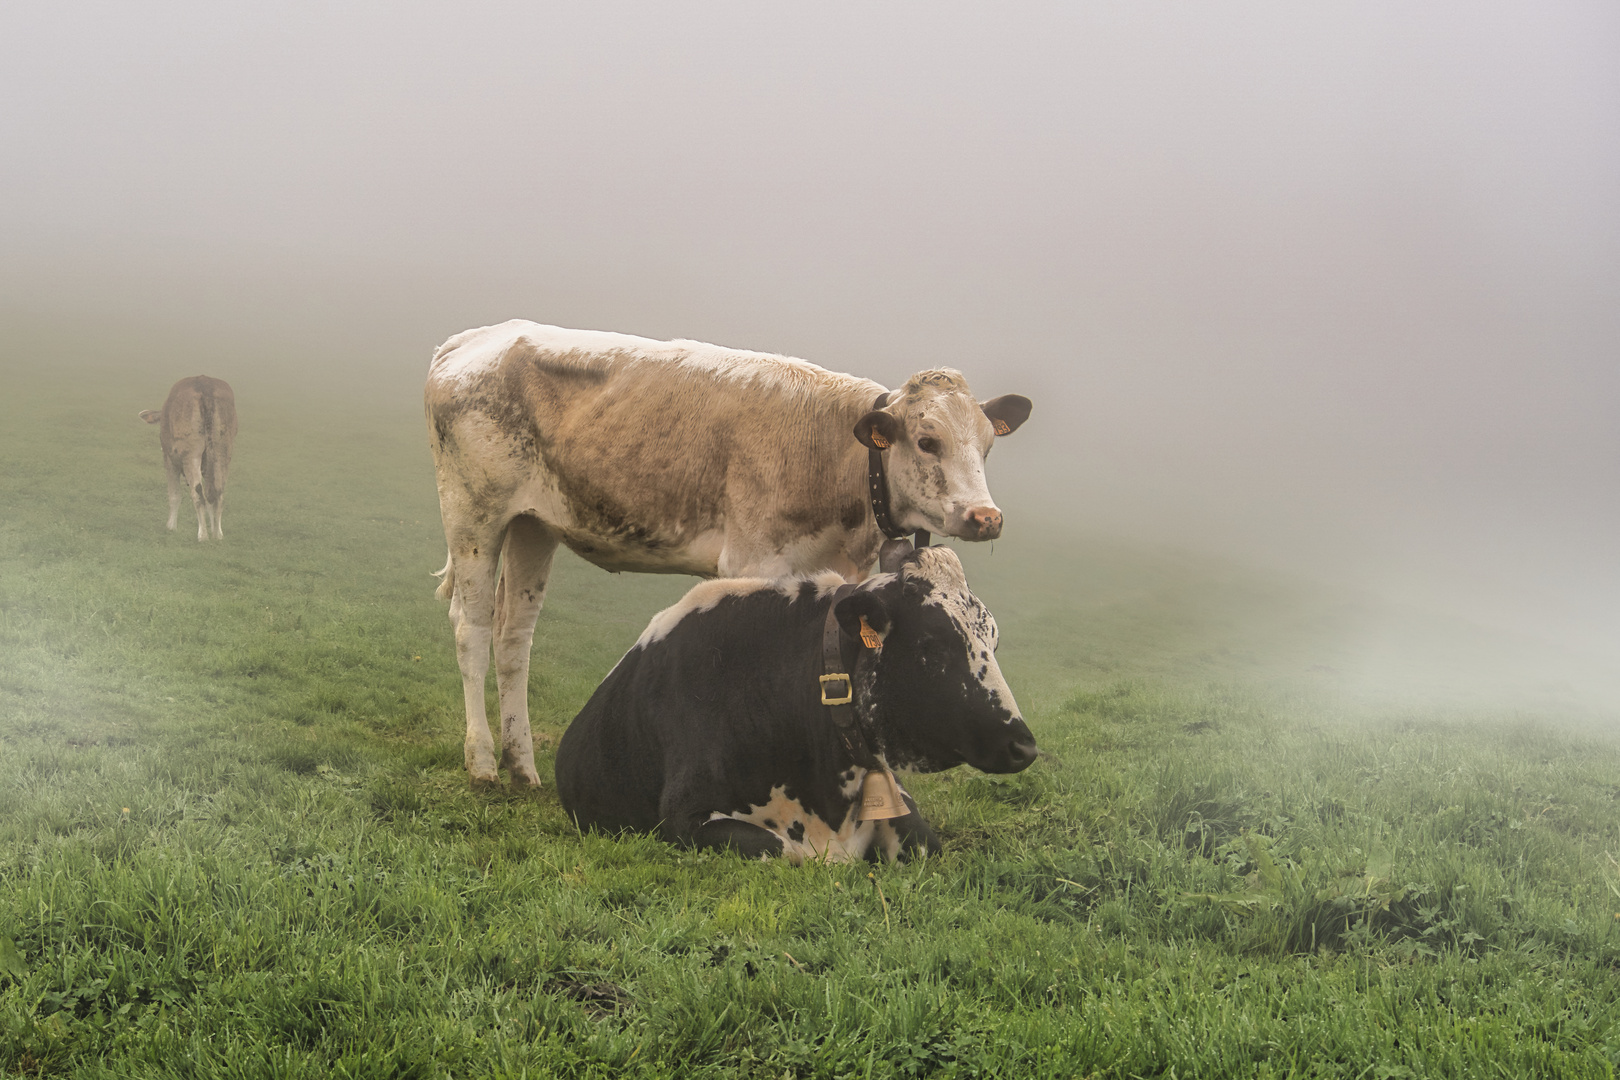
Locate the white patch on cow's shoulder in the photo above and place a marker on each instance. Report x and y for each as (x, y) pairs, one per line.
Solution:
(704, 596)
(827, 582)
(805, 836)
(877, 581)
(941, 568)
(701, 597)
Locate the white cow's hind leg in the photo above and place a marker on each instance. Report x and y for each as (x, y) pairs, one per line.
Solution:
(525, 569)
(219, 517)
(472, 609)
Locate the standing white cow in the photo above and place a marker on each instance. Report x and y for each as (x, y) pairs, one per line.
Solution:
(199, 427)
(673, 457)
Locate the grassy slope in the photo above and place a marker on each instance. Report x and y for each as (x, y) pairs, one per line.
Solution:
(235, 837)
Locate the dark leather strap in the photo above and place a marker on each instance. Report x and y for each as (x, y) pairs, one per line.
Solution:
(839, 682)
(877, 482)
(877, 485)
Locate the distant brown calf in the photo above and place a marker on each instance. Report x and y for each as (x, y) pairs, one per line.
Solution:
(199, 426)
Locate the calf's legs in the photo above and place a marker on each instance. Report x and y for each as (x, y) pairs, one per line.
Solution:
(192, 472)
(216, 464)
(171, 469)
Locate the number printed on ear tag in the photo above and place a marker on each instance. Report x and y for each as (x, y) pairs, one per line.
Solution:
(869, 636)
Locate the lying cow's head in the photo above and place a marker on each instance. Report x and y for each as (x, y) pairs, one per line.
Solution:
(937, 437)
(933, 696)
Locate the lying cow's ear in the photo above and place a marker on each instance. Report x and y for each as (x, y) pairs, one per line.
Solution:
(877, 430)
(1007, 412)
(858, 605)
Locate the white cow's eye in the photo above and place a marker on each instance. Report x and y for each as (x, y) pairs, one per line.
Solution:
(928, 444)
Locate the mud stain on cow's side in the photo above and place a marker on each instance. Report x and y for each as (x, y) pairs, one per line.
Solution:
(443, 427)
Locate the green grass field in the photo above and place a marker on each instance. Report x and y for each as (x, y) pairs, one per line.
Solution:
(236, 839)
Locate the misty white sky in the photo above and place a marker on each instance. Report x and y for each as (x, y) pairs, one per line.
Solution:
(1334, 286)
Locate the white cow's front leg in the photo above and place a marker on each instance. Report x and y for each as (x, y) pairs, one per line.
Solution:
(525, 569)
(472, 610)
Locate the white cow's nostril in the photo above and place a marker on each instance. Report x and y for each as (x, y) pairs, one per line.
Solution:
(984, 522)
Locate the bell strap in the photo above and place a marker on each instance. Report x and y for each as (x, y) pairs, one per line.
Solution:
(880, 796)
(838, 686)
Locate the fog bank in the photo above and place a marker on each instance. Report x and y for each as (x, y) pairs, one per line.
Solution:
(1334, 290)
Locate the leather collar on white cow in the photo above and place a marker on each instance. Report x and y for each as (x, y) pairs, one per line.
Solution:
(877, 485)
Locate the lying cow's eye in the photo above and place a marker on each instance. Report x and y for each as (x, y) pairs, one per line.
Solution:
(928, 444)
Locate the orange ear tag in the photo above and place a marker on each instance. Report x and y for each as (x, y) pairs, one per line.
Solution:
(1001, 427)
(869, 636)
(878, 440)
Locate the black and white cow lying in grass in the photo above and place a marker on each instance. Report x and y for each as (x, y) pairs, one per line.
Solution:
(712, 730)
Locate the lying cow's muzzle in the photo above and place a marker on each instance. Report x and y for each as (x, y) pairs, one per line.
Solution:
(1016, 754)
(1021, 753)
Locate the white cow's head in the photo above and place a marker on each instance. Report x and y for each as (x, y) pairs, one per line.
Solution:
(936, 437)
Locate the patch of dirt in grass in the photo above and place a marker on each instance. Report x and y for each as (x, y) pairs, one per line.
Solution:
(599, 999)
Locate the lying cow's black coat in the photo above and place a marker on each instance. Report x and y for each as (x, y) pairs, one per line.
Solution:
(711, 729)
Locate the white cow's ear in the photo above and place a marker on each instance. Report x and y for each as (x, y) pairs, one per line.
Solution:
(863, 605)
(1007, 413)
(877, 430)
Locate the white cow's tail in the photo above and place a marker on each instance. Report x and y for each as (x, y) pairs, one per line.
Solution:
(447, 587)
